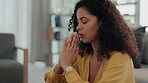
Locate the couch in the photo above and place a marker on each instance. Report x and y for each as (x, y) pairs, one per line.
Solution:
(141, 72)
(12, 71)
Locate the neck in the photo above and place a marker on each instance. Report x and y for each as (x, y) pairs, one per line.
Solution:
(95, 48)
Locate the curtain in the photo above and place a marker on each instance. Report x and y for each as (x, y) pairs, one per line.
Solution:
(16, 18)
(8, 16)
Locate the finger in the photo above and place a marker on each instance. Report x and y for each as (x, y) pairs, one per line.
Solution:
(75, 48)
(70, 38)
(70, 42)
(68, 48)
(64, 44)
(76, 37)
(76, 55)
(77, 52)
(65, 41)
(73, 41)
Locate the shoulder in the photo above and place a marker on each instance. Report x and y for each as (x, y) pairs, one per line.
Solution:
(119, 58)
(119, 55)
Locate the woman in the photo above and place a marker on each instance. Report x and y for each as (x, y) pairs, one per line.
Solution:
(105, 49)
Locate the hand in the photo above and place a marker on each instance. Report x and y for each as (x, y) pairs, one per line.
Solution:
(69, 50)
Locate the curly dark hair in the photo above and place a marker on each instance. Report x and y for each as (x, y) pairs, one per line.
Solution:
(113, 34)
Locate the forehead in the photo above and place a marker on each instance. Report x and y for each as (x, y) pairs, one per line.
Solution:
(82, 12)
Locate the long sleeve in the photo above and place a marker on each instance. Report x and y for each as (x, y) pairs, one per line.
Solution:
(52, 77)
(75, 75)
(119, 69)
(70, 77)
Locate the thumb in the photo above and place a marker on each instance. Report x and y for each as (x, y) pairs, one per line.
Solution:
(65, 43)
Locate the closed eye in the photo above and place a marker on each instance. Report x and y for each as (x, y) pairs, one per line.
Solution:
(84, 20)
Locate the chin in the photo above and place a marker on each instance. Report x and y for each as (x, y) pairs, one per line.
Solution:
(85, 41)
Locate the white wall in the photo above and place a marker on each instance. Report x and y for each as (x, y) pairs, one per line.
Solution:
(15, 17)
(24, 24)
(40, 21)
(144, 12)
(8, 16)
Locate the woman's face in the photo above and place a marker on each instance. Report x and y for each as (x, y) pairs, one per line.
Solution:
(87, 25)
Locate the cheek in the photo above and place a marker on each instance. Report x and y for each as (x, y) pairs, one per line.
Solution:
(93, 31)
(92, 28)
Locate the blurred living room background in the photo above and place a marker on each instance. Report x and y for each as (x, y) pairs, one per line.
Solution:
(41, 25)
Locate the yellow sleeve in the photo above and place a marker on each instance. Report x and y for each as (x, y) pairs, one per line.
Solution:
(72, 76)
(119, 70)
(52, 77)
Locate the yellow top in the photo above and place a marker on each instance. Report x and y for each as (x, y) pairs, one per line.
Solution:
(118, 69)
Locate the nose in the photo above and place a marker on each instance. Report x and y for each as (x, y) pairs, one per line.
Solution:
(79, 27)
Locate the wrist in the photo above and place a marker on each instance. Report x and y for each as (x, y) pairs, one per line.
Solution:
(67, 69)
(58, 69)
(64, 66)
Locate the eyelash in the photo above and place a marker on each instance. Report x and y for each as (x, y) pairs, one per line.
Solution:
(84, 22)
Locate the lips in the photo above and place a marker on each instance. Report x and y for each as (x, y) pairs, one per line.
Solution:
(81, 35)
